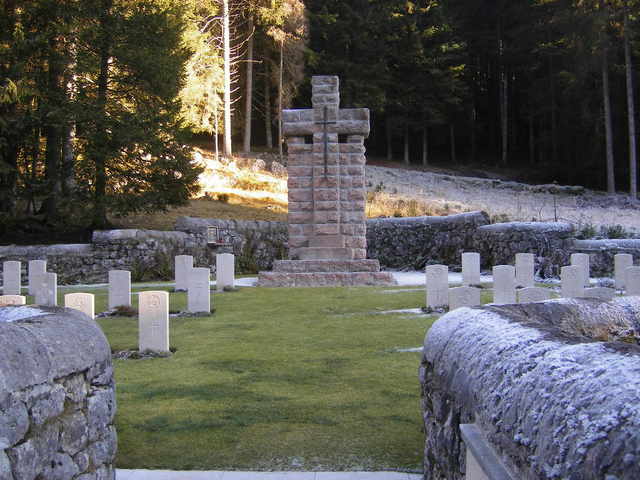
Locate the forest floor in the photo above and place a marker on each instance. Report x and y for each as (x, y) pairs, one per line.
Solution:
(256, 189)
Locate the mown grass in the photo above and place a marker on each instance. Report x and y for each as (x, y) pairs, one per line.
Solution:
(275, 379)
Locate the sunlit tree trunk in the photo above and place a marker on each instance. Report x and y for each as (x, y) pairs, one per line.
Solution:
(631, 114)
(227, 78)
(406, 144)
(425, 146)
(280, 87)
(249, 92)
(53, 130)
(267, 106)
(611, 186)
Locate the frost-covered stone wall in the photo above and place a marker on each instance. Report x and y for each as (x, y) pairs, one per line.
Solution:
(412, 243)
(554, 387)
(57, 396)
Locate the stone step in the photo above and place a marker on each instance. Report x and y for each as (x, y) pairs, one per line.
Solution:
(325, 253)
(325, 279)
(307, 266)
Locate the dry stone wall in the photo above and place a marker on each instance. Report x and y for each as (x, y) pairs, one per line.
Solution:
(398, 243)
(553, 386)
(57, 396)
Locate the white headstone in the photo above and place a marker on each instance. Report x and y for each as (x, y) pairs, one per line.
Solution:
(119, 288)
(470, 268)
(621, 262)
(47, 291)
(437, 283)
(225, 271)
(36, 267)
(632, 281)
(525, 263)
(582, 260)
(12, 300)
(184, 263)
(504, 284)
(199, 293)
(602, 293)
(83, 302)
(464, 297)
(153, 321)
(533, 294)
(572, 278)
(11, 278)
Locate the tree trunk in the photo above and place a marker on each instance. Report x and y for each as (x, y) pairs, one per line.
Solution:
(67, 179)
(228, 152)
(631, 114)
(280, 87)
(425, 146)
(474, 138)
(452, 136)
(267, 106)
(53, 130)
(504, 117)
(611, 186)
(389, 133)
(406, 144)
(532, 148)
(100, 153)
(249, 92)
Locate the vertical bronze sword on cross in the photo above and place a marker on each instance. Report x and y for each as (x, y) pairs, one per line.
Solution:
(324, 123)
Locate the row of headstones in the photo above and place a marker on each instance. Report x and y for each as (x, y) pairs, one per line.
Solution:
(516, 284)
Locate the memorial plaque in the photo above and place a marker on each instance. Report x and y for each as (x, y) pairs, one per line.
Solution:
(12, 300)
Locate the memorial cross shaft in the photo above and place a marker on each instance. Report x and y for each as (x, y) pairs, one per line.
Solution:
(327, 195)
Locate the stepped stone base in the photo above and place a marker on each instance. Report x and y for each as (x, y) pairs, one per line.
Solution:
(325, 273)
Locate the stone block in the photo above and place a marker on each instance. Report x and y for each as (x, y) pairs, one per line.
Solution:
(153, 321)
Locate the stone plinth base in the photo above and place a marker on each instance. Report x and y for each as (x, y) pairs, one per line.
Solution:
(325, 273)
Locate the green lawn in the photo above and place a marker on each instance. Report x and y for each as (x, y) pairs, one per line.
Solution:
(275, 379)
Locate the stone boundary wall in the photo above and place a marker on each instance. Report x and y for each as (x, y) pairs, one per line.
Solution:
(398, 243)
(57, 396)
(412, 243)
(553, 386)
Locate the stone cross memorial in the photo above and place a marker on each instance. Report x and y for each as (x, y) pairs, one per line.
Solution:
(153, 321)
(327, 195)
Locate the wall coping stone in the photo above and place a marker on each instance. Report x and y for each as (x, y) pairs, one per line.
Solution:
(607, 244)
(53, 343)
(109, 236)
(448, 219)
(538, 227)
